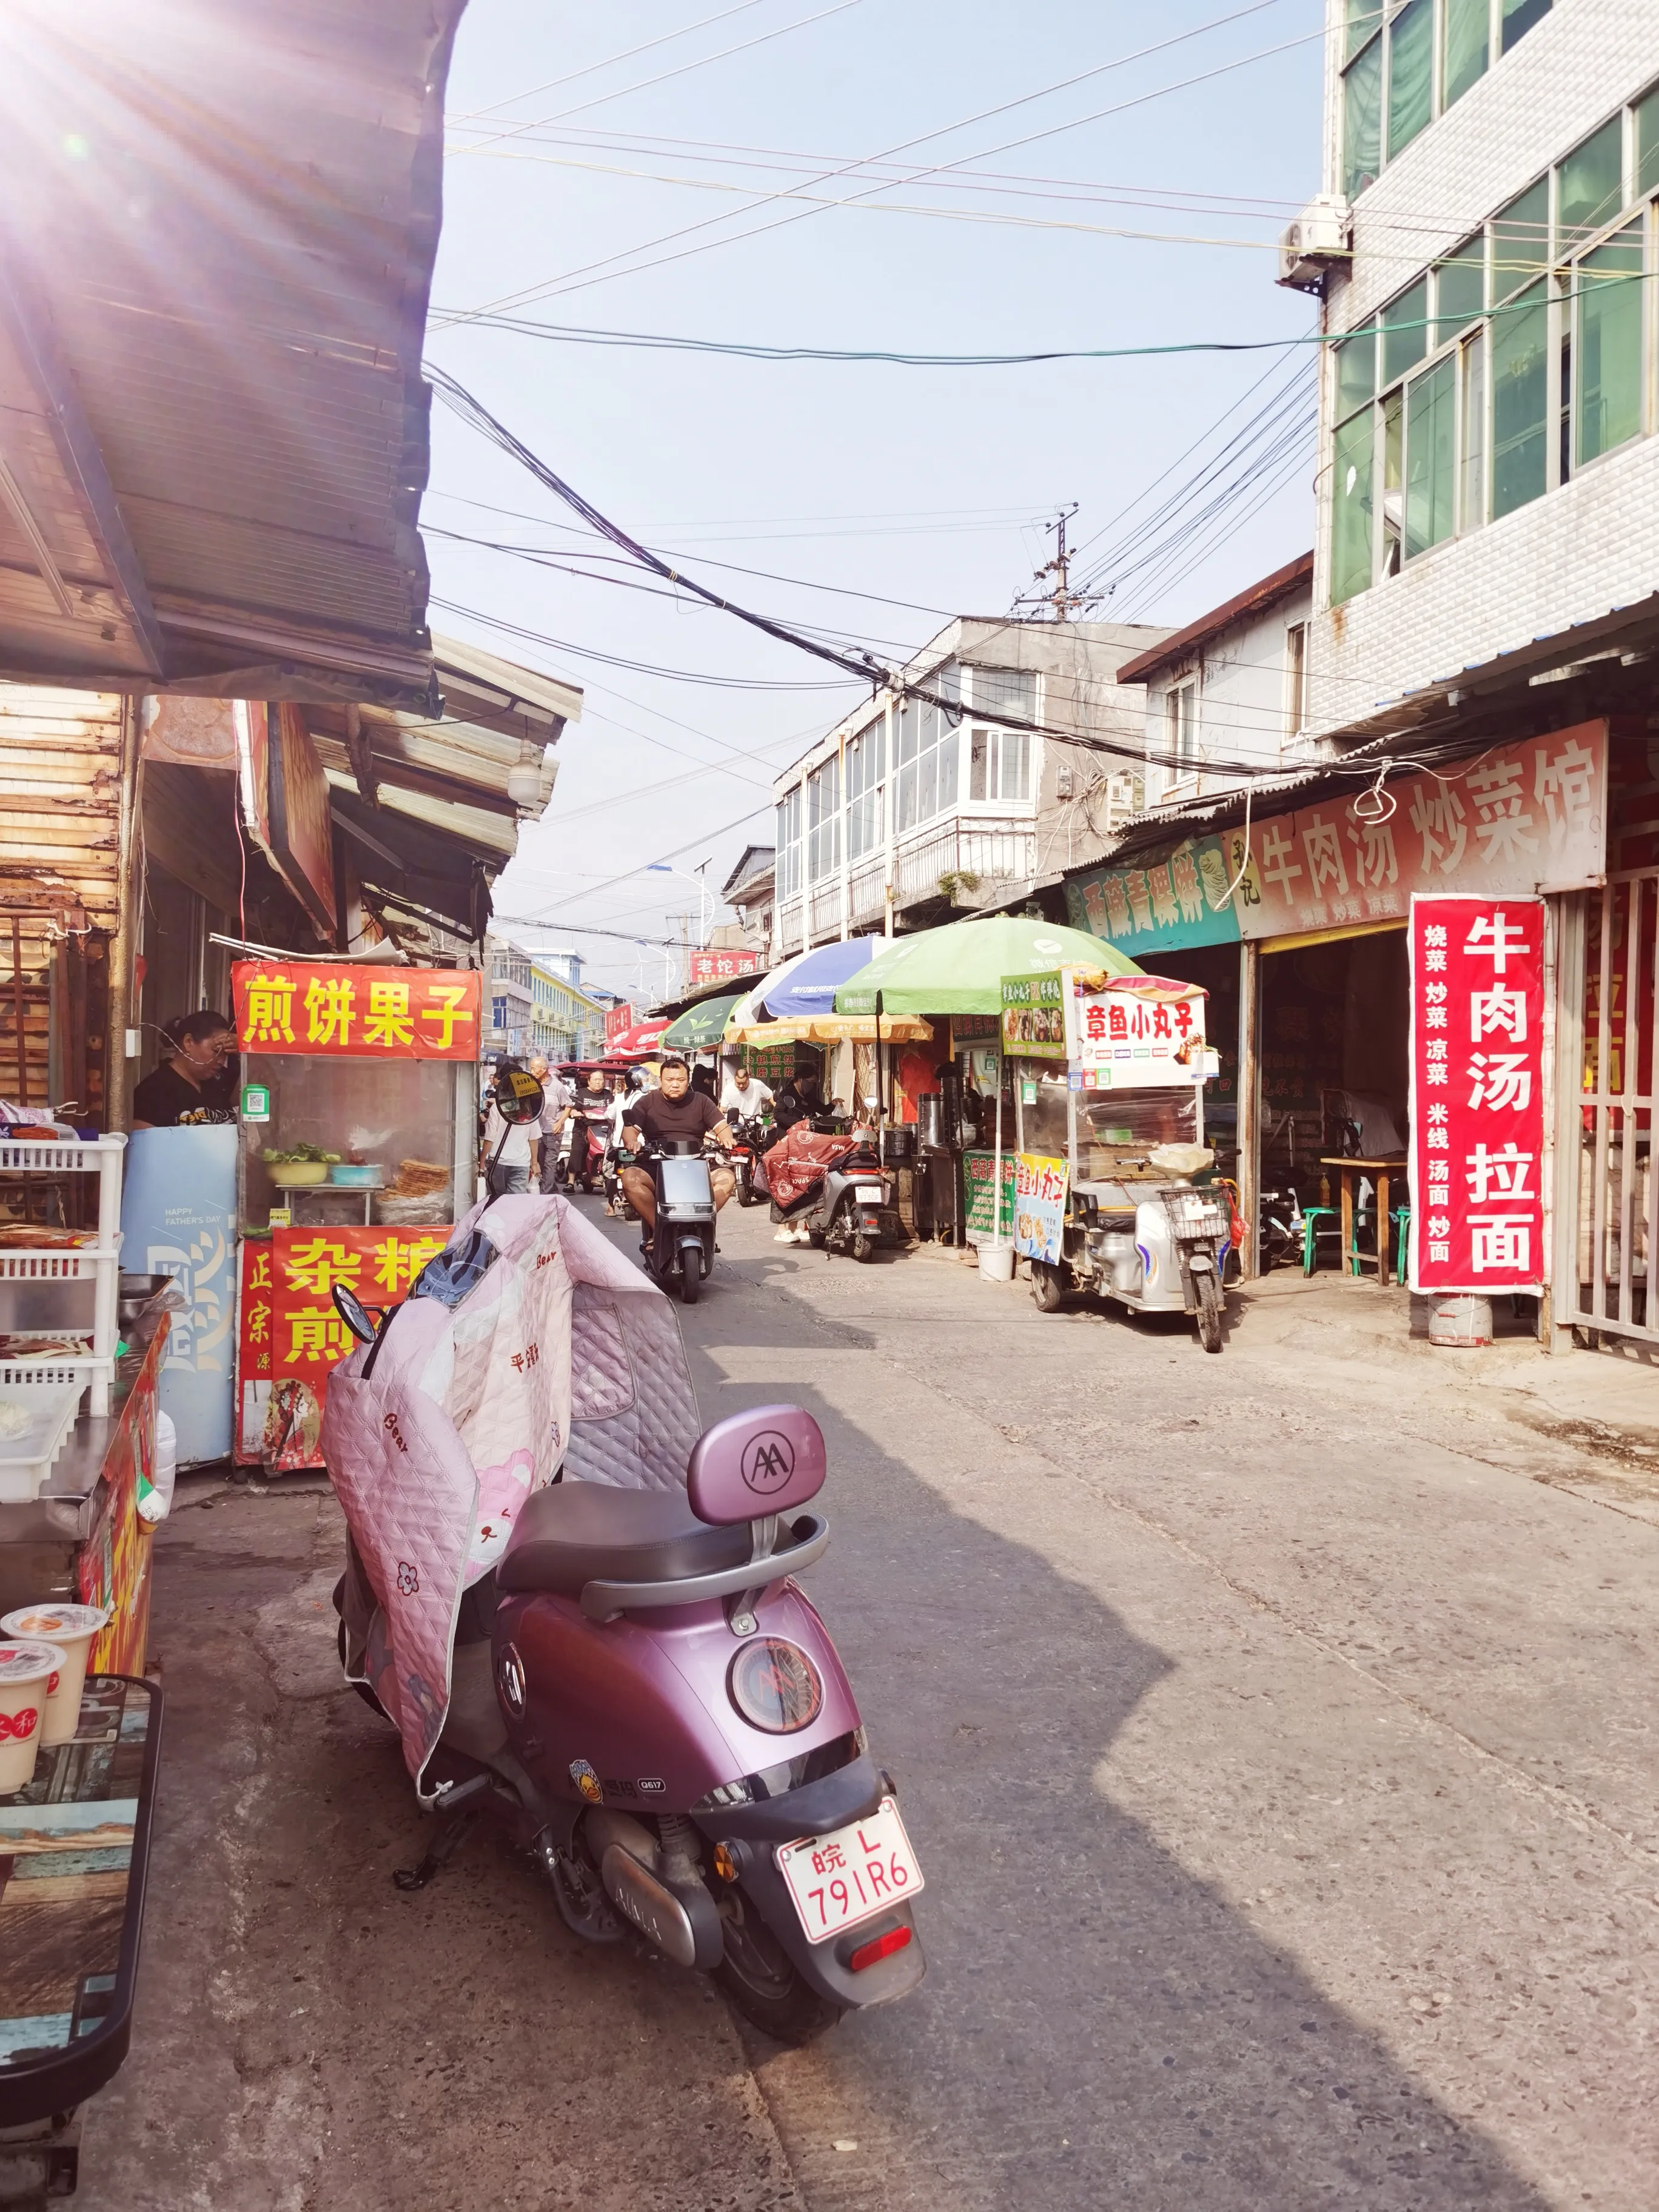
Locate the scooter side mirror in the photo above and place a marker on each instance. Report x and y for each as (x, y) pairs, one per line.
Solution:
(353, 1313)
(766, 1461)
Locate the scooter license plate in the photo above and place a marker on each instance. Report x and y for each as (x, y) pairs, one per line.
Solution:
(851, 1875)
(871, 1193)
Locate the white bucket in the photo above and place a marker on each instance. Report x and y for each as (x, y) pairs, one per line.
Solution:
(1459, 1320)
(996, 1263)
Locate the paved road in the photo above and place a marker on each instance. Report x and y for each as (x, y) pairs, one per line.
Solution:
(1280, 1750)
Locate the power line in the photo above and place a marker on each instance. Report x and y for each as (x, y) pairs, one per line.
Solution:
(593, 68)
(853, 662)
(564, 283)
(601, 100)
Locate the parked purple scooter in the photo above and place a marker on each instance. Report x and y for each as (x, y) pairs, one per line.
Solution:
(644, 1696)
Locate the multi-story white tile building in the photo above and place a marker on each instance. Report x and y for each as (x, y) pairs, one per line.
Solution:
(909, 810)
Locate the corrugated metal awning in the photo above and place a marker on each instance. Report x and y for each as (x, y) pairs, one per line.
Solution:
(221, 221)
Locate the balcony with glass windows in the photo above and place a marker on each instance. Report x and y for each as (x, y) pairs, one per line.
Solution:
(925, 797)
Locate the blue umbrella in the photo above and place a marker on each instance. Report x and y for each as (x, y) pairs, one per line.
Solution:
(810, 984)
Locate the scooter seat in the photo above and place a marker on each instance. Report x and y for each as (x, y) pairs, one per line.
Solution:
(574, 1533)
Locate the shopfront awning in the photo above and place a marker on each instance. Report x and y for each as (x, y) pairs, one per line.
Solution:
(222, 223)
(424, 872)
(642, 1042)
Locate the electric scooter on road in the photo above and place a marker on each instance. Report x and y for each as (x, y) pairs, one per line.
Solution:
(645, 1699)
(679, 1246)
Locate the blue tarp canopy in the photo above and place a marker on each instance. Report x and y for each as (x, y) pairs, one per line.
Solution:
(810, 984)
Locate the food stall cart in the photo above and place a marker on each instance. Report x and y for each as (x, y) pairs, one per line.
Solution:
(1109, 1075)
(359, 1151)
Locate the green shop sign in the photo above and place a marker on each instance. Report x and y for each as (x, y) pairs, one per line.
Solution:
(1153, 906)
(1034, 1016)
(978, 1174)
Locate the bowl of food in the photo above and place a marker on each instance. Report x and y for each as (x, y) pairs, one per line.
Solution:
(356, 1174)
(302, 1167)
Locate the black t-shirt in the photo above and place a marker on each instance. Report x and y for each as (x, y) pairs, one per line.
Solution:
(660, 1116)
(167, 1101)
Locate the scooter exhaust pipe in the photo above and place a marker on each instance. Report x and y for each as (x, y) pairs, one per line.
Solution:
(658, 1891)
(655, 1912)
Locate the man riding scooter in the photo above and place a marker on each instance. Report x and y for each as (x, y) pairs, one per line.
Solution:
(673, 1114)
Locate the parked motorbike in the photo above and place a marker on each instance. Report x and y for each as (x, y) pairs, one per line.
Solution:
(679, 1250)
(647, 1702)
(1154, 1247)
(854, 1210)
(752, 1137)
(615, 1198)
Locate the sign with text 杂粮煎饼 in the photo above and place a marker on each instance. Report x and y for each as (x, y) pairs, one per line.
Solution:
(1477, 1103)
(357, 1013)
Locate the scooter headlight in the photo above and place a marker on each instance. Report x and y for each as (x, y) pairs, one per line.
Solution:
(774, 1686)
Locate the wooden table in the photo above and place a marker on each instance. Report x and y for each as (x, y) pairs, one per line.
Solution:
(1381, 1170)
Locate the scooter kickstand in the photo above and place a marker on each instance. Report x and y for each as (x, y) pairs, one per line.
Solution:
(445, 1845)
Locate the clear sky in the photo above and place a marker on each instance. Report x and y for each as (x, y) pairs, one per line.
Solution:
(661, 166)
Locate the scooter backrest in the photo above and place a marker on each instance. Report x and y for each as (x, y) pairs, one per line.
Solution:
(766, 1461)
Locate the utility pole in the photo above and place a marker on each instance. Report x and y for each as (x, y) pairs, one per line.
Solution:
(1062, 601)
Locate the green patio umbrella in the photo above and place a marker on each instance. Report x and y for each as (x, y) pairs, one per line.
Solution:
(700, 1028)
(959, 969)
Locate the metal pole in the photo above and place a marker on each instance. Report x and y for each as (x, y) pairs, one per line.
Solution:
(1248, 1163)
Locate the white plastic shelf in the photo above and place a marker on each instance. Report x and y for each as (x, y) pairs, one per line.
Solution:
(98, 1263)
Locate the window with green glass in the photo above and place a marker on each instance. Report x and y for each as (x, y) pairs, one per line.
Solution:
(1460, 290)
(1607, 355)
(1353, 459)
(1356, 373)
(1519, 403)
(1590, 189)
(1362, 120)
(1365, 18)
(1466, 46)
(1647, 146)
(1431, 457)
(1519, 16)
(1411, 74)
(1521, 240)
(1405, 331)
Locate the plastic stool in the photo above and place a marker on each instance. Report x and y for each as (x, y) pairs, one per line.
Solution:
(1309, 1255)
(1402, 1222)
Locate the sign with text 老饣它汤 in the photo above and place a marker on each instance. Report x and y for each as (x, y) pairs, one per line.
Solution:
(1477, 1105)
(357, 1013)
(1039, 1207)
(715, 964)
(1034, 1016)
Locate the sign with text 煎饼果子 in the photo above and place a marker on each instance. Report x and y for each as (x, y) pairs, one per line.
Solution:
(355, 1013)
(1477, 1102)
(1034, 1016)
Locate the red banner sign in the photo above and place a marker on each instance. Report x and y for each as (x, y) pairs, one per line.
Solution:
(1477, 1030)
(357, 1013)
(618, 1020)
(714, 966)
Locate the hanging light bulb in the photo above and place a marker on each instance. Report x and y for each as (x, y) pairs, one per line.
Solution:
(524, 779)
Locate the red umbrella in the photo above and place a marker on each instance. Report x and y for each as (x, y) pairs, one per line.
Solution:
(638, 1043)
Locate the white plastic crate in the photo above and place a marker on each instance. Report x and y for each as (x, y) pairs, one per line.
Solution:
(52, 1155)
(27, 1460)
(59, 1263)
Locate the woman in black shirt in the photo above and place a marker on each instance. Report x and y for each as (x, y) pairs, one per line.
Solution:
(192, 1086)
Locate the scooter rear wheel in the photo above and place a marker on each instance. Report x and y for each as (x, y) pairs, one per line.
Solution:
(691, 1274)
(762, 1981)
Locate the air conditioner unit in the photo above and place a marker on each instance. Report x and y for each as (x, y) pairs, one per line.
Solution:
(1319, 240)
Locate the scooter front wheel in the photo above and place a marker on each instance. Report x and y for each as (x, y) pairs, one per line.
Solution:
(762, 1981)
(1209, 1310)
(691, 1274)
